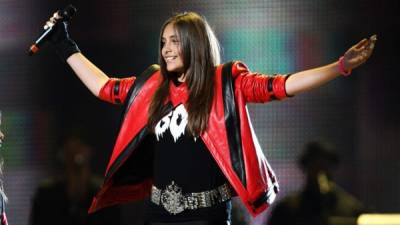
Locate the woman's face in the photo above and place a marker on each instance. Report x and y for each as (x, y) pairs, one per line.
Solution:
(171, 50)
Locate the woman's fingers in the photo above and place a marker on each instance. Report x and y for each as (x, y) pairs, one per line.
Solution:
(56, 15)
(360, 52)
(370, 47)
(48, 25)
(361, 44)
(52, 20)
(374, 37)
(366, 43)
(372, 41)
(365, 47)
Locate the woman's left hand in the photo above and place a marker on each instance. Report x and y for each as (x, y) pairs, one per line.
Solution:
(359, 53)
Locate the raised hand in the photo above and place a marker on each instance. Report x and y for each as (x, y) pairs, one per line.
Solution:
(60, 32)
(60, 37)
(359, 53)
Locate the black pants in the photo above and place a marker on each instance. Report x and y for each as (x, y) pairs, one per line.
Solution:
(200, 222)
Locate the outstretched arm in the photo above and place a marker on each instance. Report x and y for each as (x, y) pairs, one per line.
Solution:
(93, 78)
(309, 79)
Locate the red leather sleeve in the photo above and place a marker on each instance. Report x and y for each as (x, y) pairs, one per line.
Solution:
(257, 87)
(3, 219)
(116, 90)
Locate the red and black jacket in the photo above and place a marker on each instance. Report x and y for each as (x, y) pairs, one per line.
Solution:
(229, 135)
(3, 217)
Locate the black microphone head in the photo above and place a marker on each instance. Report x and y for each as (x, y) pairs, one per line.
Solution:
(68, 12)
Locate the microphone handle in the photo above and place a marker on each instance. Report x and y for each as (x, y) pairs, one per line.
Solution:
(35, 47)
(39, 41)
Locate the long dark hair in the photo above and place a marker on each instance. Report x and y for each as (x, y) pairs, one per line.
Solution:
(201, 54)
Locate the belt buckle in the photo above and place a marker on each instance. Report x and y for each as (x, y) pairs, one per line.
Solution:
(172, 199)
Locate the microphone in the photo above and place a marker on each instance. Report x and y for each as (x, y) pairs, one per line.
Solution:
(65, 14)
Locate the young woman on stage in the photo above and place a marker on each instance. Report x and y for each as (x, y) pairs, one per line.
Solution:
(186, 140)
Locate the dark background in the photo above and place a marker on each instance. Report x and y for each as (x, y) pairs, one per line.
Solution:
(42, 99)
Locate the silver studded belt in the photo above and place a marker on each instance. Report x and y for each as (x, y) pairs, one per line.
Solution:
(174, 201)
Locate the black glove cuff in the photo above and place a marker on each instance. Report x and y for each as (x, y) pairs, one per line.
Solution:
(66, 48)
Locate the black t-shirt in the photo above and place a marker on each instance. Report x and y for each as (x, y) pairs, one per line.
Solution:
(181, 158)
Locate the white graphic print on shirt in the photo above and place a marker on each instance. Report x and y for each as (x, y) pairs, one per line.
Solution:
(176, 121)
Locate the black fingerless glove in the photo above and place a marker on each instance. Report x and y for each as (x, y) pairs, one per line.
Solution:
(62, 42)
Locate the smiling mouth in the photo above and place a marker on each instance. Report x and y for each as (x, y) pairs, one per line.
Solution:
(170, 58)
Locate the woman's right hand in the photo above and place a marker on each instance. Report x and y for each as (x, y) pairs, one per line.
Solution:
(60, 27)
(60, 38)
